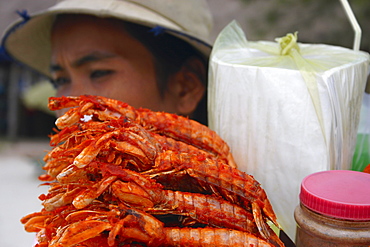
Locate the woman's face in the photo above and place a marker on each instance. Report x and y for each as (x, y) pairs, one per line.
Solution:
(98, 57)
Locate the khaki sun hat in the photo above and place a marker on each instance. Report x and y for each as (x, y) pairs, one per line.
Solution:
(28, 40)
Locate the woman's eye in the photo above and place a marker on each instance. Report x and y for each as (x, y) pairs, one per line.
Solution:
(58, 82)
(100, 73)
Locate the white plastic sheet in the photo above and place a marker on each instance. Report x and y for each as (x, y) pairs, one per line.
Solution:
(288, 114)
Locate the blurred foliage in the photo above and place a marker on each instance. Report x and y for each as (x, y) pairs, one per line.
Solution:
(316, 21)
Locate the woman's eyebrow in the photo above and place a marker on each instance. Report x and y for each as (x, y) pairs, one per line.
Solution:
(92, 57)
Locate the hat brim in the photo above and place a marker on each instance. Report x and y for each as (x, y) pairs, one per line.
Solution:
(29, 41)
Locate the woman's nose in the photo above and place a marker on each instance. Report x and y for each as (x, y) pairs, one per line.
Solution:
(76, 87)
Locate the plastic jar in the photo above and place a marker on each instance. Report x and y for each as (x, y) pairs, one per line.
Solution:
(334, 210)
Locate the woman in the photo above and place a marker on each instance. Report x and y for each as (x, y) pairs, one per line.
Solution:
(150, 54)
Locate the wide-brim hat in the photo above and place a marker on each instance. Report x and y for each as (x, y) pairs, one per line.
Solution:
(28, 39)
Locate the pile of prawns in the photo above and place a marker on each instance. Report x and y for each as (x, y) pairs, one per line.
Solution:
(120, 176)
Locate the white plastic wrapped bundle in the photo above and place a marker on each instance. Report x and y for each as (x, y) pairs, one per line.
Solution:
(286, 109)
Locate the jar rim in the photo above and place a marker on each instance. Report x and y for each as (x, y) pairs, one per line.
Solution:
(341, 194)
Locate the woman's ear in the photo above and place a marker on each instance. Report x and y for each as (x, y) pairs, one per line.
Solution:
(188, 87)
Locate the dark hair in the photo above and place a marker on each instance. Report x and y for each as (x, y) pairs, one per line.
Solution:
(170, 53)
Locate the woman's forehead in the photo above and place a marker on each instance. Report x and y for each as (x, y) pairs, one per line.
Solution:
(82, 32)
(75, 37)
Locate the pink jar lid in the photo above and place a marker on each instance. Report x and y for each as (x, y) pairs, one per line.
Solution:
(340, 194)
